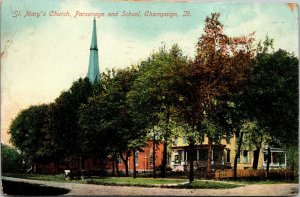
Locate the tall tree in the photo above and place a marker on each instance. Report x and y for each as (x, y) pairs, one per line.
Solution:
(221, 65)
(153, 92)
(28, 133)
(109, 114)
(94, 126)
(63, 117)
(271, 95)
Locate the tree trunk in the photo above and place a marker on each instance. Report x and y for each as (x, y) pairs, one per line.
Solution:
(165, 153)
(209, 155)
(133, 162)
(153, 158)
(81, 166)
(164, 161)
(101, 167)
(237, 155)
(255, 158)
(34, 167)
(56, 166)
(268, 162)
(80, 163)
(191, 159)
(117, 168)
(83, 160)
(68, 164)
(125, 160)
(113, 159)
(126, 167)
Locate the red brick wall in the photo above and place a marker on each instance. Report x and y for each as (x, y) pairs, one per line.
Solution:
(94, 164)
(144, 158)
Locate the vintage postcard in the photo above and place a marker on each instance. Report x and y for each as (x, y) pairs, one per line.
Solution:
(149, 97)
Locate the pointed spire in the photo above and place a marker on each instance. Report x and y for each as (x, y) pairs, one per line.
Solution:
(93, 72)
(94, 36)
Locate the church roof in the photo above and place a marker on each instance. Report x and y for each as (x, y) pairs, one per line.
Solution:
(93, 71)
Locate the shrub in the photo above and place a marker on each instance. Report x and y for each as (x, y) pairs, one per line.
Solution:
(11, 159)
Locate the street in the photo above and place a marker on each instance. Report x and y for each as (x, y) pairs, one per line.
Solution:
(98, 190)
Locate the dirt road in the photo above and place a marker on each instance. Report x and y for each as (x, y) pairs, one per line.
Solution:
(248, 190)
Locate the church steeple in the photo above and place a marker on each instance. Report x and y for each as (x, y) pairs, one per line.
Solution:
(93, 72)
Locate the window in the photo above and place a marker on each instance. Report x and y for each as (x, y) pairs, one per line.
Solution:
(216, 155)
(201, 138)
(184, 155)
(175, 141)
(203, 154)
(177, 159)
(278, 158)
(228, 156)
(119, 159)
(281, 157)
(228, 139)
(184, 140)
(179, 155)
(238, 157)
(136, 158)
(245, 156)
(265, 156)
(151, 158)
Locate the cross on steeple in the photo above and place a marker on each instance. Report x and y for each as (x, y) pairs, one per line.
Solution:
(93, 72)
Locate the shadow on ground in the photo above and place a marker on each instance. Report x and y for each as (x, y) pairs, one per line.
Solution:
(27, 189)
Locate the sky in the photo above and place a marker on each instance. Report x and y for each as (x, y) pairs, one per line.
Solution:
(41, 56)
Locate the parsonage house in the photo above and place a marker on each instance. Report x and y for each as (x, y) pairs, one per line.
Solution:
(223, 155)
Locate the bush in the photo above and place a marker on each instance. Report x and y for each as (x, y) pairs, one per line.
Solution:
(281, 174)
(11, 159)
(159, 168)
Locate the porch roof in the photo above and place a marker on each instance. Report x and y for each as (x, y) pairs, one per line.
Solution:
(200, 146)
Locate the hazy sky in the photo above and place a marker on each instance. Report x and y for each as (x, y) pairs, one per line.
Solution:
(44, 55)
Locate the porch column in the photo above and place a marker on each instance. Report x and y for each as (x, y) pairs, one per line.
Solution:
(285, 159)
(271, 158)
(182, 155)
(212, 156)
(197, 154)
(223, 157)
(185, 155)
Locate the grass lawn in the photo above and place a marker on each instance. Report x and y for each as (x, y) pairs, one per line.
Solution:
(100, 180)
(168, 183)
(142, 182)
(42, 177)
(135, 182)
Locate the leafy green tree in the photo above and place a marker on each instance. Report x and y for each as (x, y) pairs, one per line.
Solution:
(109, 117)
(274, 93)
(271, 96)
(28, 131)
(153, 92)
(94, 124)
(63, 116)
(254, 139)
(11, 159)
